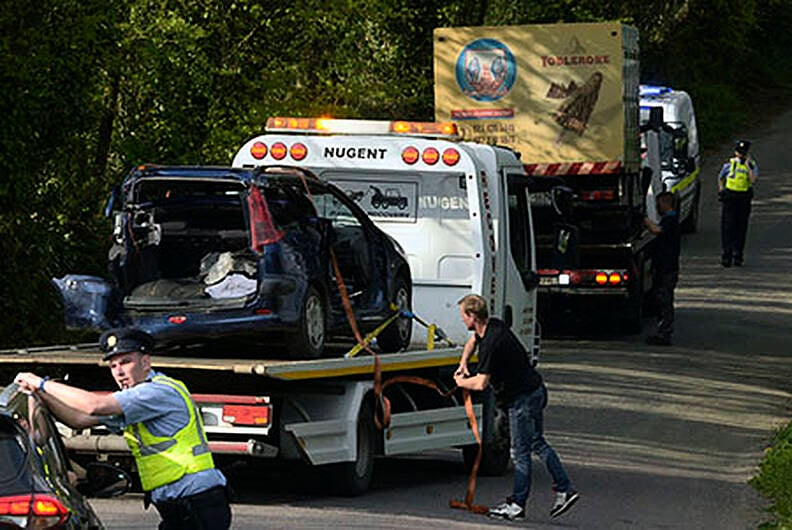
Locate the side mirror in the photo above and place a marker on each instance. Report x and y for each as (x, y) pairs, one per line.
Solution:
(562, 197)
(104, 480)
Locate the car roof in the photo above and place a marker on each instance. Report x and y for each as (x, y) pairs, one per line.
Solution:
(259, 175)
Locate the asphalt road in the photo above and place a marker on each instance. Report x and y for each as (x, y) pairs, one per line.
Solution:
(653, 437)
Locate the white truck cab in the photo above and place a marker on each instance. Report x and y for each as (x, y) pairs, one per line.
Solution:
(460, 210)
(679, 145)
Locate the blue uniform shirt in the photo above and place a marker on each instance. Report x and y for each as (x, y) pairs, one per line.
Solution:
(163, 411)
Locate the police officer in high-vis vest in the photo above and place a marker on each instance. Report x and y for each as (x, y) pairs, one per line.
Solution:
(735, 191)
(161, 425)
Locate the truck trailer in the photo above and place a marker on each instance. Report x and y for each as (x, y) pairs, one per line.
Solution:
(565, 97)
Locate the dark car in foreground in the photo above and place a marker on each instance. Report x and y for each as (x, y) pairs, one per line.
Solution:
(243, 256)
(39, 487)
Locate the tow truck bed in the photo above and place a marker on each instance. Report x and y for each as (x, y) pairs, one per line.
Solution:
(287, 370)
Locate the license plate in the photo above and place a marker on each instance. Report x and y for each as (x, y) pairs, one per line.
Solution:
(548, 280)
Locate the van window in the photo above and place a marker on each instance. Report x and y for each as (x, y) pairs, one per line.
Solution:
(520, 224)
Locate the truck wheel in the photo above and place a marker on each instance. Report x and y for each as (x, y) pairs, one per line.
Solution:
(396, 337)
(353, 478)
(690, 224)
(309, 340)
(495, 454)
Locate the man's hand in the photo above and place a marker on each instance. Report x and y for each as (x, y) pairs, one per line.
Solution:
(462, 370)
(28, 382)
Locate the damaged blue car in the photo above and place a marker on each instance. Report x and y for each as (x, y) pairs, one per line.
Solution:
(228, 257)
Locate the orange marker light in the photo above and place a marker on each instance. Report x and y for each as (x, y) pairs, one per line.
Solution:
(298, 151)
(258, 150)
(430, 156)
(278, 151)
(450, 157)
(410, 155)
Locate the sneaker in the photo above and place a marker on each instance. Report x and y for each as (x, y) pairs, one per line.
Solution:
(726, 262)
(563, 501)
(507, 510)
(738, 262)
(658, 340)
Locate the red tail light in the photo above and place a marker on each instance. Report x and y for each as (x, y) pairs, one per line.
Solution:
(598, 195)
(246, 414)
(262, 230)
(177, 319)
(44, 510)
(601, 278)
(614, 278)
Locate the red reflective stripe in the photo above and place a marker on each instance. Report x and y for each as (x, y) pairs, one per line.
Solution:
(574, 168)
(229, 447)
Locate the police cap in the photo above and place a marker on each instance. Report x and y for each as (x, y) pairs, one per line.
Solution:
(742, 147)
(125, 340)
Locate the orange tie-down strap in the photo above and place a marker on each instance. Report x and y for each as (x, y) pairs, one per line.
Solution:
(382, 418)
(382, 411)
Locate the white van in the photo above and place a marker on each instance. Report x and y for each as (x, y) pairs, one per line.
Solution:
(679, 145)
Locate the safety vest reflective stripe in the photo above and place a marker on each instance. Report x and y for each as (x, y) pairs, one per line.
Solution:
(738, 177)
(165, 459)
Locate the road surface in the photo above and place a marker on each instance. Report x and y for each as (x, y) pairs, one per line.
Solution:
(652, 436)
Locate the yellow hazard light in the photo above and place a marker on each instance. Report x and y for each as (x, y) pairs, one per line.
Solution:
(372, 127)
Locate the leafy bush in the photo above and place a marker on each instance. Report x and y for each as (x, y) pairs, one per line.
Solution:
(773, 480)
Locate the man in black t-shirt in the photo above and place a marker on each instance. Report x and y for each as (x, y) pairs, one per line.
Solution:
(504, 362)
(665, 266)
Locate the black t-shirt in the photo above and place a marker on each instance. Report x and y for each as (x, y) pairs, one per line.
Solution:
(666, 251)
(502, 356)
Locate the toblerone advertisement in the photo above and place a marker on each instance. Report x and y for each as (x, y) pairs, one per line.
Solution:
(556, 93)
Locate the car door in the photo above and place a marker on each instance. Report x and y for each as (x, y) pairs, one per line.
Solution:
(56, 466)
(353, 244)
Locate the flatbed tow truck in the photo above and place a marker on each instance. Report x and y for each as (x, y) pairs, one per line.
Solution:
(466, 227)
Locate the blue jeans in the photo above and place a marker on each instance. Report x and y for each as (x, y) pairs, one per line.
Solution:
(527, 436)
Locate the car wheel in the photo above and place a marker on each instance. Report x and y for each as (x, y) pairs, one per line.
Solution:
(309, 341)
(396, 337)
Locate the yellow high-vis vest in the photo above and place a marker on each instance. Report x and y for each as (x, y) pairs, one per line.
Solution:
(163, 459)
(738, 176)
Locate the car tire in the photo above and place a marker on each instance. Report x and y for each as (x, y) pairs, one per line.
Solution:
(309, 340)
(396, 337)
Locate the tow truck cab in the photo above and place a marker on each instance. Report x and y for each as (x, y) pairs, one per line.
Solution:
(680, 157)
(460, 210)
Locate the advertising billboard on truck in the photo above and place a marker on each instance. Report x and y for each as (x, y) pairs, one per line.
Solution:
(556, 93)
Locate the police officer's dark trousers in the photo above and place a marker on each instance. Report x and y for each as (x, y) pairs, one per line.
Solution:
(735, 211)
(208, 510)
(665, 283)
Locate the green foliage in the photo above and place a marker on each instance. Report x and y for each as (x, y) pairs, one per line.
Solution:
(91, 88)
(773, 480)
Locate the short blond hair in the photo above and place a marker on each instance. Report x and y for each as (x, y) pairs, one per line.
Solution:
(475, 305)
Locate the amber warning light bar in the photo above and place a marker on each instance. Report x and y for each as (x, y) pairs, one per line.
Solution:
(373, 127)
